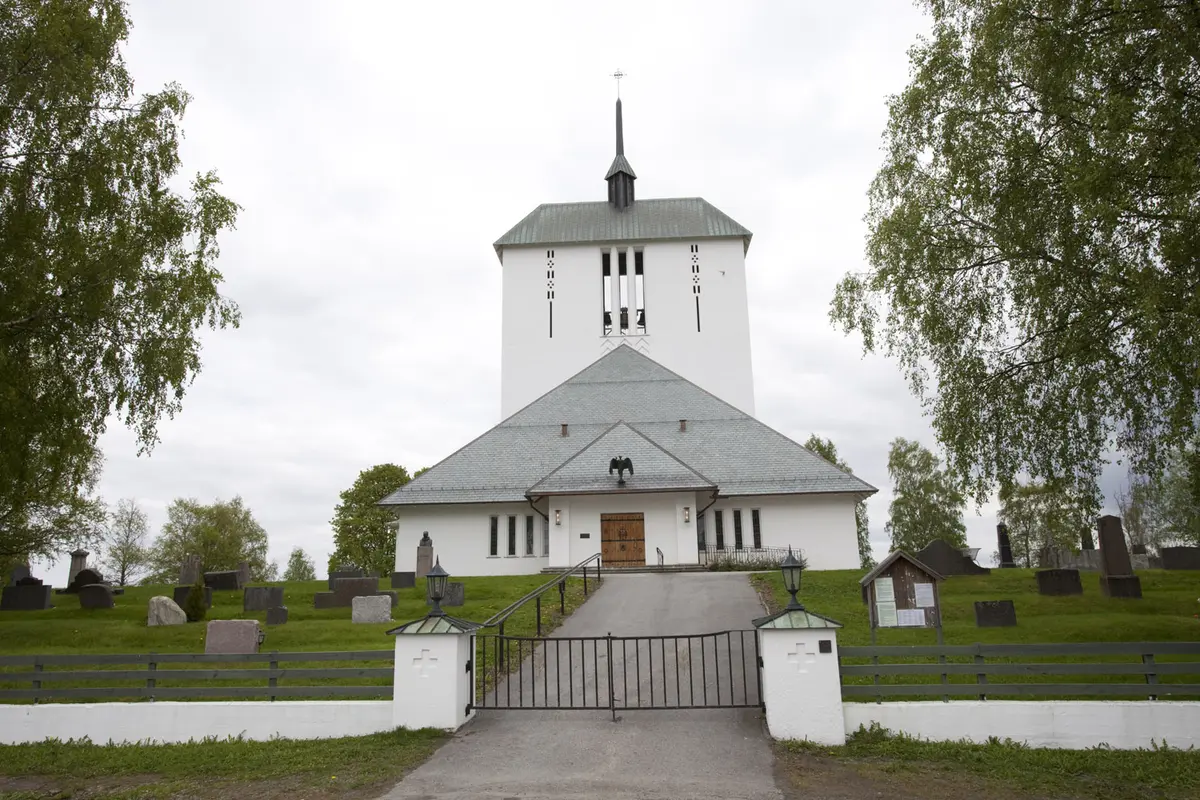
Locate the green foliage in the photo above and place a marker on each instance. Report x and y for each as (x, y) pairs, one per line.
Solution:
(223, 534)
(361, 533)
(1164, 509)
(1034, 236)
(1043, 514)
(926, 505)
(107, 270)
(828, 451)
(299, 567)
(124, 552)
(194, 604)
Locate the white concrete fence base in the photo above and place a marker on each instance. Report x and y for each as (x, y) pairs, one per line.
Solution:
(432, 687)
(801, 685)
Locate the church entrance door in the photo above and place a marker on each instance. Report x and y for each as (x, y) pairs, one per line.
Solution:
(623, 540)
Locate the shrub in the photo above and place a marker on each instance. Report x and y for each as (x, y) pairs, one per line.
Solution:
(194, 605)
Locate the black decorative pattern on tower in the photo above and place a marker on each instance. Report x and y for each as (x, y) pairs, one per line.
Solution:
(620, 175)
(550, 288)
(696, 281)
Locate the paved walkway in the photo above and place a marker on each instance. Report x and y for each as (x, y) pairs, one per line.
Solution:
(648, 755)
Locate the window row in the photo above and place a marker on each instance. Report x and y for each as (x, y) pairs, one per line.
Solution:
(511, 539)
(718, 517)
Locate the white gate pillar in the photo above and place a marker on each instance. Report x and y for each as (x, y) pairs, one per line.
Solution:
(801, 682)
(434, 680)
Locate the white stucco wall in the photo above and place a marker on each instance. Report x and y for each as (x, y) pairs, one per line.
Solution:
(432, 687)
(822, 526)
(717, 358)
(801, 685)
(169, 722)
(460, 536)
(664, 525)
(1067, 724)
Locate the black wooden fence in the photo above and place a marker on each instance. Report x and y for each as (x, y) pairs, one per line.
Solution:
(158, 676)
(1153, 670)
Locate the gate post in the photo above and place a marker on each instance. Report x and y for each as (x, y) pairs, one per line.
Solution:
(801, 678)
(433, 684)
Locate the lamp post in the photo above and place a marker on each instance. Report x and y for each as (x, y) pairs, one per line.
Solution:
(436, 578)
(791, 569)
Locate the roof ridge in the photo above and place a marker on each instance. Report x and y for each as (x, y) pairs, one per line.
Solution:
(574, 455)
(679, 460)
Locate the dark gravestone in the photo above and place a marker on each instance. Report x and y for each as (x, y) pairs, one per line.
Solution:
(324, 600)
(85, 577)
(344, 573)
(18, 572)
(1005, 547)
(29, 580)
(180, 593)
(404, 580)
(1059, 582)
(277, 615)
(947, 560)
(1138, 549)
(346, 589)
(455, 595)
(1085, 540)
(995, 614)
(25, 597)
(95, 595)
(261, 598)
(1116, 569)
(223, 581)
(1180, 557)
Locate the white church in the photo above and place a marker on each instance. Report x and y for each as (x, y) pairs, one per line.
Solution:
(625, 341)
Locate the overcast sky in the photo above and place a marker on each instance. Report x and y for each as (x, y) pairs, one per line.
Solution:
(378, 149)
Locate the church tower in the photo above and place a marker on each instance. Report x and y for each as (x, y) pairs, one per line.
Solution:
(666, 277)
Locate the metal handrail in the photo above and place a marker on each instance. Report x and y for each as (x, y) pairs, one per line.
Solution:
(660, 556)
(560, 581)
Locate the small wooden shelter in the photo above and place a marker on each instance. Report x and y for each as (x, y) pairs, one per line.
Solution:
(902, 593)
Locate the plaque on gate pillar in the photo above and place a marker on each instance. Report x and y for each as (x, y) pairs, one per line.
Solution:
(424, 556)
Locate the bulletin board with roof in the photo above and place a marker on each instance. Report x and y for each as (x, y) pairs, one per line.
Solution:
(902, 593)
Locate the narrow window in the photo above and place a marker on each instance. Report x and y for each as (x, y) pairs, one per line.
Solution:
(696, 281)
(529, 535)
(700, 543)
(737, 529)
(550, 289)
(757, 530)
(606, 289)
(494, 539)
(512, 536)
(545, 537)
(623, 288)
(719, 516)
(640, 285)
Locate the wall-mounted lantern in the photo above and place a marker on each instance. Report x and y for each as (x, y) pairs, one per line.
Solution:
(558, 516)
(687, 514)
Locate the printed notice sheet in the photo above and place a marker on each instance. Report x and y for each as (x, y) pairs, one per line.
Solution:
(924, 595)
(911, 617)
(885, 590)
(885, 615)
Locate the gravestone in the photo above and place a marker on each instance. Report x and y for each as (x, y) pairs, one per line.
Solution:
(85, 577)
(277, 615)
(224, 580)
(1057, 582)
(18, 572)
(995, 614)
(261, 598)
(243, 571)
(189, 570)
(164, 611)
(424, 556)
(1085, 540)
(455, 595)
(946, 560)
(344, 572)
(1137, 549)
(404, 580)
(180, 593)
(1116, 570)
(78, 561)
(1004, 546)
(1180, 557)
(26, 597)
(374, 608)
(231, 636)
(95, 595)
(346, 589)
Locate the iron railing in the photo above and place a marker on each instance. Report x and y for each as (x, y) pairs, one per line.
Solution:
(154, 676)
(497, 620)
(1023, 670)
(621, 673)
(711, 554)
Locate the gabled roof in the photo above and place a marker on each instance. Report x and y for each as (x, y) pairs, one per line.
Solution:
(892, 557)
(643, 221)
(722, 445)
(654, 469)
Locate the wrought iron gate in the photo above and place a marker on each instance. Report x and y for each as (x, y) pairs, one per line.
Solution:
(620, 673)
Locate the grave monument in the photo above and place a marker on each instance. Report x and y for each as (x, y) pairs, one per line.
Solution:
(1005, 547)
(1116, 570)
(78, 561)
(424, 556)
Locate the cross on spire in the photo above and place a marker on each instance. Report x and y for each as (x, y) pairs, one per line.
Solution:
(618, 75)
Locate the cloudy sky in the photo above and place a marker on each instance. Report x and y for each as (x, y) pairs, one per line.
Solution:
(378, 149)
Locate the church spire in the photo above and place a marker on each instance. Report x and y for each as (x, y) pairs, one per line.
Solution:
(620, 175)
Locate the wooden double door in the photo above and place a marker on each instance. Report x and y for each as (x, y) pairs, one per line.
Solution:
(623, 540)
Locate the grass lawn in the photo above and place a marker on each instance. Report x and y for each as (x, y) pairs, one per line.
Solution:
(359, 767)
(875, 764)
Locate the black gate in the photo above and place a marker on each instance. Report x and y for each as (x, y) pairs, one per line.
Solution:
(620, 673)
